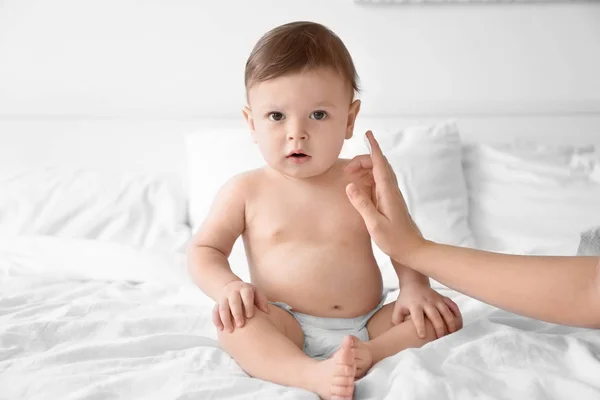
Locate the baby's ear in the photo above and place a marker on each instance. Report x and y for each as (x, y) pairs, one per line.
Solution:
(352, 114)
(249, 120)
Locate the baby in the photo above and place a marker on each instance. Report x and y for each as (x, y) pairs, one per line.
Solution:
(314, 315)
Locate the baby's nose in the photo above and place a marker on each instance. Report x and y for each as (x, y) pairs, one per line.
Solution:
(297, 136)
(297, 131)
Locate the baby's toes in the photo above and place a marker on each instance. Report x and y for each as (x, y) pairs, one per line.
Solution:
(342, 383)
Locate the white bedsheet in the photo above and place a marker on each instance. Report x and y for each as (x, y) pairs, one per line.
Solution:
(88, 320)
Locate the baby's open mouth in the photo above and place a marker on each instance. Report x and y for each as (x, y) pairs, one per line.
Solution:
(297, 153)
(298, 156)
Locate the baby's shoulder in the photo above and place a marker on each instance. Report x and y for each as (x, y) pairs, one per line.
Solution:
(243, 183)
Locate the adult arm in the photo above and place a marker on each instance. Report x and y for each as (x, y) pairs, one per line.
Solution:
(564, 290)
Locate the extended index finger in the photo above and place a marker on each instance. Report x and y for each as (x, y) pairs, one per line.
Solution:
(366, 161)
(381, 171)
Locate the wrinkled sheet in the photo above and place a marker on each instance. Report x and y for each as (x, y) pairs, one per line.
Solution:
(88, 320)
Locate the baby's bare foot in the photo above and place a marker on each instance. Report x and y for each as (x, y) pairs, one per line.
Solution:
(335, 376)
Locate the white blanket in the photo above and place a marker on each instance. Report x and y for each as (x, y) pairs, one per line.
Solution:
(88, 320)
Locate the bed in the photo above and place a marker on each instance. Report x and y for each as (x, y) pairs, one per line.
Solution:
(109, 312)
(116, 129)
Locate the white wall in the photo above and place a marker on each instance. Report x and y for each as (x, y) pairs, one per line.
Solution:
(181, 58)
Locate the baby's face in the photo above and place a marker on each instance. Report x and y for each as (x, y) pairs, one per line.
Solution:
(300, 121)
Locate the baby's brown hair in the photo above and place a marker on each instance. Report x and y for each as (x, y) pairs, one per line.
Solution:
(295, 47)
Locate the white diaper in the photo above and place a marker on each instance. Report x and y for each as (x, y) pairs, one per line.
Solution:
(323, 336)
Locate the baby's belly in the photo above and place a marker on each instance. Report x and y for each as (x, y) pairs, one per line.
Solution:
(319, 280)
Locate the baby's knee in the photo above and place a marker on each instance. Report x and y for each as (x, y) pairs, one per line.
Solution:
(597, 295)
(249, 324)
(430, 334)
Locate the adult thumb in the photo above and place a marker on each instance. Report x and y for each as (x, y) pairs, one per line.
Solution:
(363, 205)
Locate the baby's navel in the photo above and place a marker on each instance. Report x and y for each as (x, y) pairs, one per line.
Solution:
(336, 307)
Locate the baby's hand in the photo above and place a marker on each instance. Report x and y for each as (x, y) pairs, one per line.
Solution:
(419, 300)
(239, 299)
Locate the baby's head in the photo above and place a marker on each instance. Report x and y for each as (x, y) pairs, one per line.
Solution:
(300, 88)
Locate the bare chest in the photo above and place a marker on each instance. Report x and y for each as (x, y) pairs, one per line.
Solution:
(324, 216)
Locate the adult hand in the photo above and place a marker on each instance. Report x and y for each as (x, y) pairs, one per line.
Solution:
(383, 209)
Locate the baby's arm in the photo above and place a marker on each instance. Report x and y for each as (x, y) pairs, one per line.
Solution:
(210, 247)
(418, 300)
(407, 276)
(208, 253)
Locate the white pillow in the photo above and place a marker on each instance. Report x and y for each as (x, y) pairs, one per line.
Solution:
(213, 157)
(590, 243)
(137, 210)
(532, 199)
(52, 258)
(426, 159)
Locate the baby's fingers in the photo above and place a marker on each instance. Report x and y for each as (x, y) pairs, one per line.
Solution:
(261, 301)
(436, 320)
(452, 305)
(236, 306)
(216, 317)
(448, 316)
(225, 315)
(247, 295)
(416, 313)
(399, 314)
(456, 311)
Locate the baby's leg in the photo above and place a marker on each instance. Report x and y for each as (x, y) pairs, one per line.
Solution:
(269, 347)
(387, 339)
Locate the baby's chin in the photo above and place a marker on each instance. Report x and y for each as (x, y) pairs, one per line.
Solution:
(302, 172)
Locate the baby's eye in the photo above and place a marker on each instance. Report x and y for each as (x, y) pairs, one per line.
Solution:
(318, 115)
(276, 116)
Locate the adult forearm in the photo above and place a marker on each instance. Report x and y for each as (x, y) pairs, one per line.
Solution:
(563, 290)
(210, 270)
